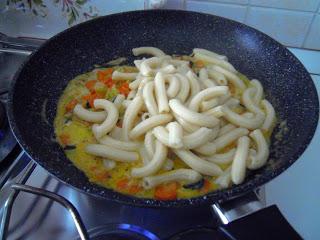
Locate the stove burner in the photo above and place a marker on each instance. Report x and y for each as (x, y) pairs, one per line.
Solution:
(7, 140)
(199, 233)
(121, 231)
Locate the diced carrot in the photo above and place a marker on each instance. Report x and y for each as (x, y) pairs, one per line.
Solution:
(134, 188)
(70, 106)
(166, 192)
(122, 184)
(64, 138)
(102, 176)
(206, 186)
(109, 71)
(199, 64)
(91, 97)
(109, 82)
(93, 168)
(124, 89)
(90, 85)
(104, 74)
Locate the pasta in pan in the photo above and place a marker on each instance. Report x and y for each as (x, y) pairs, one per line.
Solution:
(170, 127)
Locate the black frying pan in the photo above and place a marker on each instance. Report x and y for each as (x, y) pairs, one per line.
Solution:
(47, 72)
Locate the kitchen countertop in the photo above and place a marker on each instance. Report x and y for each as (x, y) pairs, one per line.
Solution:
(296, 191)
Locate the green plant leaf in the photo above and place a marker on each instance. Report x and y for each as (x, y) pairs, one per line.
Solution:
(71, 19)
(35, 12)
(38, 2)
(81, 2)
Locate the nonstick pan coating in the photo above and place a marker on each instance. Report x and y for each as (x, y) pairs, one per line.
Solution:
(41, 80)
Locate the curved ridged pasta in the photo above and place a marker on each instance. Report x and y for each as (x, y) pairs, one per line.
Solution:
(225, 129)
(247, 99)
(149, 100)
(149, 143)
(194, 84)
(174, 86)
(238, 167)
(175, 134)
(130, 115)
(132, 94)
(190, 141)
(155, 164)
(222, 158)
(232, 102)
(161, 93)
(224, 180)
(229, 137)
(215, 112)
(214, 133)
(207, 105)
(148, 50)
(198, 164)
(197, 138)
(259, 91)
(185, 88)
(223, 64)
(239, 120)
(145, 116)
(187, 175)
(260, 158)
(118, 100)
(191, 116)
(123, 145)
(206, 94)
(145, 157)
(168, 165)
(209, 53)
(187, 126)
(270, 115)
(111, 153)
(218, 77)
(219, 143)
(135, 84)
(89, 116)
(148, 124)
(116, 75)
(233, 78)
(204, 78)
(143, 82)
(111, 120)
(109, 164)
(147, 66)
(116, 133)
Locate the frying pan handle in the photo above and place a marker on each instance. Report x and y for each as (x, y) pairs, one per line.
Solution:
(249, 219)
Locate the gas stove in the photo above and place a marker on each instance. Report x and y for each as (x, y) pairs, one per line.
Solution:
(36, 205)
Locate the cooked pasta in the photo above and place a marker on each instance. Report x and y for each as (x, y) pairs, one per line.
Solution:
(169, 127)
(89, 116)
(109, 122)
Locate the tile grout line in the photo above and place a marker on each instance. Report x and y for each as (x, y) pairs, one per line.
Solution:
(309, 30)
(247, 12)
(254, 5)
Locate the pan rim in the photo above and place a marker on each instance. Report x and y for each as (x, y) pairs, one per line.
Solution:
(207, 199)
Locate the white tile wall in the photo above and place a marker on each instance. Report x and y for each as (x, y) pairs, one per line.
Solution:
(294, 23)
(235, 12)
(313, 38)
(305, 5)
(231, 1)
(288, 27)
(174, 4)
